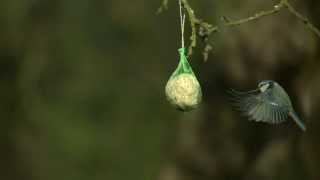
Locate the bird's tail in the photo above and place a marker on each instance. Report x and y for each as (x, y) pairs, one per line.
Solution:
(297, 120)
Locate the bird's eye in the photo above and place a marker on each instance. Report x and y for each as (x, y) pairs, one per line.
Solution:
(261, 84)
(264, 87)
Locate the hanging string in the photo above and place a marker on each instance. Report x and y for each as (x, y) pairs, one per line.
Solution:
(182, 20)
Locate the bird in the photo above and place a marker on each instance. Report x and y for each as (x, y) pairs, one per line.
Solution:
(268, 103)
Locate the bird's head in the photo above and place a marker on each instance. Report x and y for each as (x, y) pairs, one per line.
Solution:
(265, 85)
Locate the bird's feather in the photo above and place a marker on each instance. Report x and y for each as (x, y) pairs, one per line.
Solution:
(259, 107)
(297, 120)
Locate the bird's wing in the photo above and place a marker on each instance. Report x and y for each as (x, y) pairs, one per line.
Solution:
(258, 107)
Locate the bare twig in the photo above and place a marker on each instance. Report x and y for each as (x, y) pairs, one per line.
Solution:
(204, 29)
(293, 11)
(195, 22)
(256, 16)
(281, 5)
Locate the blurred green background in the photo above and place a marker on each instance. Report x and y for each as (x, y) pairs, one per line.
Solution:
(82, 92)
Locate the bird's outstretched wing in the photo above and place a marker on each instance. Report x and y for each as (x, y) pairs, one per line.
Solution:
(258, 107)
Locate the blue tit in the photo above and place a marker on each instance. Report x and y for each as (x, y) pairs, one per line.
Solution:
(268, 103)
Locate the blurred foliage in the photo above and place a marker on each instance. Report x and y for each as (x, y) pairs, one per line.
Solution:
(82, 87)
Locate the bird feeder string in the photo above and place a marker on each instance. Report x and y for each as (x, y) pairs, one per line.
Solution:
(182, 22)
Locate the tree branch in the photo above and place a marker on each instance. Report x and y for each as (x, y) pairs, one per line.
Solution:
(204, 29)
(309, 25)
(196, 24)
(256, 16)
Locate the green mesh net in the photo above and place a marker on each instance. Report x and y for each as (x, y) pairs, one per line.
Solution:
(183, 89)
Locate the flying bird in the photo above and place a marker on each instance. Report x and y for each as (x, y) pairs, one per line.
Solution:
(269, 103)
